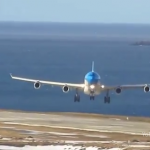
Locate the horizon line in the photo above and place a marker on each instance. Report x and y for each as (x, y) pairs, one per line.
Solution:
(105, 23)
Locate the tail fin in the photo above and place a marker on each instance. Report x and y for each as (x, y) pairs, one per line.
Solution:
(92, 66)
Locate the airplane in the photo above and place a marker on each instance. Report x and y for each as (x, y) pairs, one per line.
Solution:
(91, 86)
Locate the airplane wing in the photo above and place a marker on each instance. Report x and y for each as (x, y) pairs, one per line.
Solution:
(60, 84)
(132, 86)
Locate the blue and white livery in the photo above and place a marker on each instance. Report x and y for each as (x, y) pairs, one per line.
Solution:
(91, 86)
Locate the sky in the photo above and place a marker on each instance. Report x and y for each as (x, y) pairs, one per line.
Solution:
(91, 11)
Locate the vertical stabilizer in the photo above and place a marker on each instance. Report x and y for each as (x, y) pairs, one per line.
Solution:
(92, 66)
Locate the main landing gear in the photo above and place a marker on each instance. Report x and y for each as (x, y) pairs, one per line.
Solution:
(107, 98)
(77, 97)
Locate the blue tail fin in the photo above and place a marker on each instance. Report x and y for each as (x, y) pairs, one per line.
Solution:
(92, 66)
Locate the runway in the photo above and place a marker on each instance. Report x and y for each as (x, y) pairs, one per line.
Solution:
(73, 128)
(78, 121)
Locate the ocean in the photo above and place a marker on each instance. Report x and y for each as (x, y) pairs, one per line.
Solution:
(64, 52)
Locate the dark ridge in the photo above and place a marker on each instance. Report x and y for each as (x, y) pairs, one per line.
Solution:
(140, 43)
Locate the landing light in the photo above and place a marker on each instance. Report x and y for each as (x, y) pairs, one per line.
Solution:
(102, 86)
(92, 86)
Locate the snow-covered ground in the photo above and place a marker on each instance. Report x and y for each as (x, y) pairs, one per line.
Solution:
(65, 147)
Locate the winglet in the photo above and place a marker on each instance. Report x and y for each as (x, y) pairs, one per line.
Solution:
(92, 66)
(11, 75)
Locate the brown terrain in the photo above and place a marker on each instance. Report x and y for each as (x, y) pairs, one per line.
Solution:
(20, 128)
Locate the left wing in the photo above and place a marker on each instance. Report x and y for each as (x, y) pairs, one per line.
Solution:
(60, 84)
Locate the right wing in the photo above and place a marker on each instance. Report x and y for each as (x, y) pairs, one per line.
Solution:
(60, 84)
(131, 86)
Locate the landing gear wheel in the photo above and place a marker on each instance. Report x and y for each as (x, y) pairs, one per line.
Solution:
(106, 99)
(92, 97)
(76, 98)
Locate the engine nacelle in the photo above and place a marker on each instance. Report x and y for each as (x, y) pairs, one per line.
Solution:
(65, 89)
(146, 88)
(118, 90)
(37, 85)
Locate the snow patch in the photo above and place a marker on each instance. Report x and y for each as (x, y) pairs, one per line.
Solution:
(75, 128)
(58, 147)
(60, 133)
(100, 136)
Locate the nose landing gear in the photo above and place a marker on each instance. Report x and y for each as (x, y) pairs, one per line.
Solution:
(92, 97)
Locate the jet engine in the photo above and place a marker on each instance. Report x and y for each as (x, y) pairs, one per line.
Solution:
(118, 90)
(65, 89)
(146, 88)
(37, 85)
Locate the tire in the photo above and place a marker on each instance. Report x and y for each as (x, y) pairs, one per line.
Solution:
(75, 99)
(78, 98)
